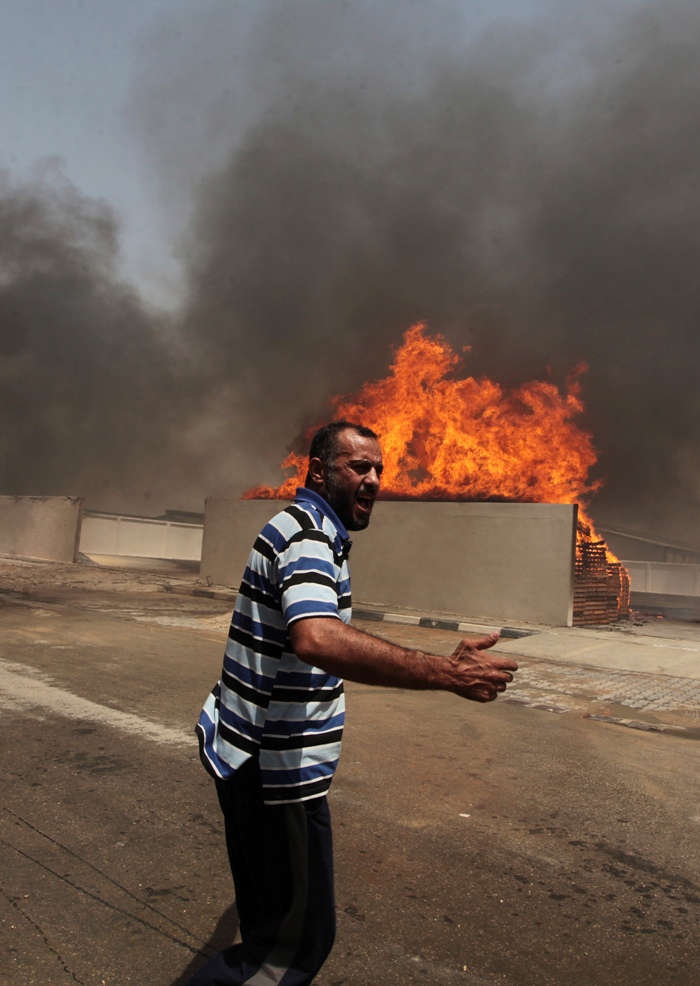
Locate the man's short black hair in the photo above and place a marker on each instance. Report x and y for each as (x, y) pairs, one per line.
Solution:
(324, 444)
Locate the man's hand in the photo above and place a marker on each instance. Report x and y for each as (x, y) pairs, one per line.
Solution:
(477, 675)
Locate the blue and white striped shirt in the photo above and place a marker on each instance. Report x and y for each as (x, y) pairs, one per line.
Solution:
(269, 703)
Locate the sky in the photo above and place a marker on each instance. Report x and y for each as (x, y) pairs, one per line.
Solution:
(71, 72)
(215, 215)
(66, 71)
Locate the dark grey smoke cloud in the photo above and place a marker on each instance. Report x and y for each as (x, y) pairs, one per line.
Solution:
(95, 394)
(527, 187)
(77, 349)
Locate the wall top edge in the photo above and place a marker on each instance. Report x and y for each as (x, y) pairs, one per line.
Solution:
(132, 518)
(39, 499)
(473, 506)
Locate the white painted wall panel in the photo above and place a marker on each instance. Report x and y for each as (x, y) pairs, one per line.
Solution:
(140, 537)
(666, 577)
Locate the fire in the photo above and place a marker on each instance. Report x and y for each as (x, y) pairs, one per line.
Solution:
(450, 438)
(446, 438)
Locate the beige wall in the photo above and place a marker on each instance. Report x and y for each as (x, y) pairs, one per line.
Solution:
(497, 562)
(230, 528)
(46, 527)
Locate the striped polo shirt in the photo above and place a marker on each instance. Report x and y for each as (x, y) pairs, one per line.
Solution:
(269, 703)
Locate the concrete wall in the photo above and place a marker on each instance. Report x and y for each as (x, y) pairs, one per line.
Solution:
(46, 527)
(230, 528)
(497, 562)
(140, 537)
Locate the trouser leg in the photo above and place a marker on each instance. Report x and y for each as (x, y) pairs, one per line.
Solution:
(244, 816)
(281, 858)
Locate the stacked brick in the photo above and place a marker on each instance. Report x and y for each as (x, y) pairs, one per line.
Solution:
(601, 587)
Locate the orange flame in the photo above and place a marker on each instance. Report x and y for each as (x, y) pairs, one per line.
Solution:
(465, 439)
(445, 438)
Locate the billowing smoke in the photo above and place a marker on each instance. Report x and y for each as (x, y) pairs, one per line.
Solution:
(79, 354)
(529, 188)
(96, 395)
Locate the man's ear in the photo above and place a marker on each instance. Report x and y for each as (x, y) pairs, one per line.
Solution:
(317, 472)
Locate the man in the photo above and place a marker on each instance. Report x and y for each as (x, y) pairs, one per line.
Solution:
(270, 731)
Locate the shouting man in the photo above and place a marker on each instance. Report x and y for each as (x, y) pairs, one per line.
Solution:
(270, 731)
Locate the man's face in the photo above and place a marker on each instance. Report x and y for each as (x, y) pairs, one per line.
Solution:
(352, 480)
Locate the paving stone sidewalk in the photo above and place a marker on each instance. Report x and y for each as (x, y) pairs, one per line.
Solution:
(652, 693)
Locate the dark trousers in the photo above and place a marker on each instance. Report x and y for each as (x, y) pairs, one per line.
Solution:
(281, 859)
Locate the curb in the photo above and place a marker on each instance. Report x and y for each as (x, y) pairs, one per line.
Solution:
(439, 623)
(226, 595)
(649, 727)
(374, 615)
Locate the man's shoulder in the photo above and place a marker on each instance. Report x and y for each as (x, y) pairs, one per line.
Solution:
(291, 522)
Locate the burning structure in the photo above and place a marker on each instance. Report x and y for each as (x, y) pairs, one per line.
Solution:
(450, 439)
(530, 191)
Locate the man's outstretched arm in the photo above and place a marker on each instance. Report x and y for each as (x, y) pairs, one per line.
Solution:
(339, 649)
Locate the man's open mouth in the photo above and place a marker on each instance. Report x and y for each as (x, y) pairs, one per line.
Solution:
(365, 502)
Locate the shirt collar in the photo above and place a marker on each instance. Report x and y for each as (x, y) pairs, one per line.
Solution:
(325, 508)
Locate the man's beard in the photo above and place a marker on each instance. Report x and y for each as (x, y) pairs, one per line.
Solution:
(342, 502)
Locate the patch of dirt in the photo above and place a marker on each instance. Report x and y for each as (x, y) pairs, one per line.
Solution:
(28, 576)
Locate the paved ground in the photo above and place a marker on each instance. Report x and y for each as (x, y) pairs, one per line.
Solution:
(551, 837)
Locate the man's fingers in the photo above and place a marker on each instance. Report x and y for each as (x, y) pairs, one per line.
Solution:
(499, 681)
(499, 675)
(482, 693)
(483, 676)
(483, 643)
(468, 645)
(504, 664)
(464, 651)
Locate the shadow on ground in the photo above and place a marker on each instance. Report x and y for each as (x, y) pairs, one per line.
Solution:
(222, 937)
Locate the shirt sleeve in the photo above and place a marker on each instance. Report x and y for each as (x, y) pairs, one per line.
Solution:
(308, 577)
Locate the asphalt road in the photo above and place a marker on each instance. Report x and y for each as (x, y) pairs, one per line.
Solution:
(500, 844)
